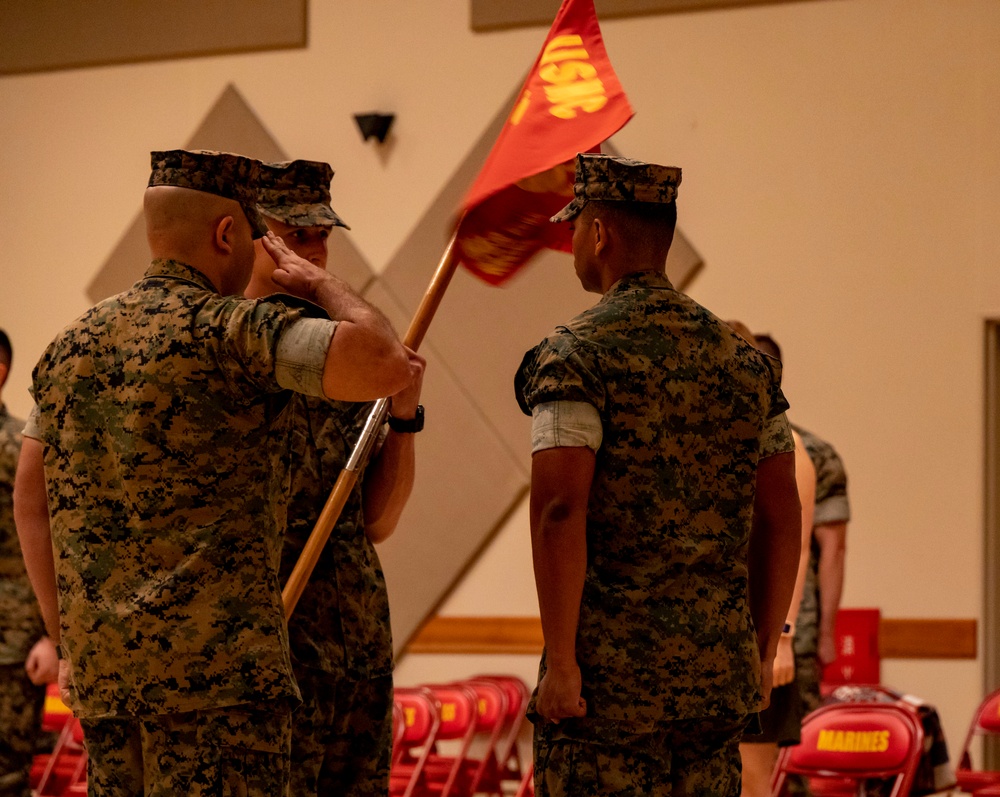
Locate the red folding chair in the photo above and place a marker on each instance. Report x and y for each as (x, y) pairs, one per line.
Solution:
(480, 771)
(985, 722)
(78, 780)
(65, 765)
(508, 753)
(421, 720)
(845, 744)
(527, 786)
(450, 747)
(398, 732)
(936, 772)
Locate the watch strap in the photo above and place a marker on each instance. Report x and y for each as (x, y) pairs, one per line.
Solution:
(408, 425)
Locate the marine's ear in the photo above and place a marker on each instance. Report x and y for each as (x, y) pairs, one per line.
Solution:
(222, 236)
(598, 234)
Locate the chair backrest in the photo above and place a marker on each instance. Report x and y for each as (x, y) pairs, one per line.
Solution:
(398, 730)
(518, 695)
(491, 705)
(855, 741)
(420, 715)
(457, 710)
(458, 717)
(421, 722)
(985, 722)
(491, 722)
(987, 719)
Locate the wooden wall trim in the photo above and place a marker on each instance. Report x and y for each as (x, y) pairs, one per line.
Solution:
(478, 635)
(927, 638)
(487, 15)
(898, 638)
(46, 35)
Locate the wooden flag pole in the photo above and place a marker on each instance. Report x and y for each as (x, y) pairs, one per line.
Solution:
(362, 449)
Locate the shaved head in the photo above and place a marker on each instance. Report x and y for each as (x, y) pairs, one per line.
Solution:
(171, 211)
(206, 231)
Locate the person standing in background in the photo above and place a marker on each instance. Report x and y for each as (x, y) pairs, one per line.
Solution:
(781, 721)
(815, 645)
(340, 638)
(27, 656)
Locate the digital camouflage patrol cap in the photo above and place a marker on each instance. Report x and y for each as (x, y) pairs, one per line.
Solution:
(298, 193)
(221, 173)
(610, 179)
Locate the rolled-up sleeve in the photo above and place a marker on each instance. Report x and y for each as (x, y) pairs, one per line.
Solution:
(558, 424)
(31, 427)
(301, 355)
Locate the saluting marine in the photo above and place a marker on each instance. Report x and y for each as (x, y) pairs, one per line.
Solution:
(161, 433)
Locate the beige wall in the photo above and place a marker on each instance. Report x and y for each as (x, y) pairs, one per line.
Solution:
(841, 160)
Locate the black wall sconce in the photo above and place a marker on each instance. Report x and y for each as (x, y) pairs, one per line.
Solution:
(374, 125)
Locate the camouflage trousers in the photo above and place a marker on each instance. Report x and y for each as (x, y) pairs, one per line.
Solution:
(682, 758)
(341, 735)
(240, 750)
(21, 705)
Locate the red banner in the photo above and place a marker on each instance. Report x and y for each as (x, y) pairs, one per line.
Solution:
(571, 102)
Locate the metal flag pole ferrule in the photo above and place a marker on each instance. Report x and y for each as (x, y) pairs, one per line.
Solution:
(369, 434)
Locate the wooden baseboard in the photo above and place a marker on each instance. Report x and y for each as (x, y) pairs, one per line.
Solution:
(910, 638)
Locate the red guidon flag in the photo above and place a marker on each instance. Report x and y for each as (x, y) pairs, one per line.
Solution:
(571, 102)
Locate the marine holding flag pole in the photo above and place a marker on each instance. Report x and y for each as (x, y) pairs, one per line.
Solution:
(341, 491)
(570, 102)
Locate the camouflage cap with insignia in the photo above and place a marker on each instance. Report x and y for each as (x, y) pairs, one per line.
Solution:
(298, 193)
(610, 179)
(221, 173)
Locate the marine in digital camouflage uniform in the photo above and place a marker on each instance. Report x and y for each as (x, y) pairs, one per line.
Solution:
(652, 420)
(340, 635)
(829, 535)
(814, 643)
(21, 628)
(162, 421)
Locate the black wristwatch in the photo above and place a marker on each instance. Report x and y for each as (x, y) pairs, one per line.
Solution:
(409, 425)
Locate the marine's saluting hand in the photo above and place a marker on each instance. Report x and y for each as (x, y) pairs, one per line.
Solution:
(294, 274)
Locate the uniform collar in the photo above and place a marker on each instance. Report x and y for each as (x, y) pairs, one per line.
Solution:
(642, 279)
(181, 271)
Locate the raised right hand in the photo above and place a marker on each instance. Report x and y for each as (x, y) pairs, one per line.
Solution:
(294, 274)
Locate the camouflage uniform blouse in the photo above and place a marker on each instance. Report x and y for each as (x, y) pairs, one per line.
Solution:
(341, 623)
(166, 462)
(665, 630)
(20, 620)
(831, 507)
